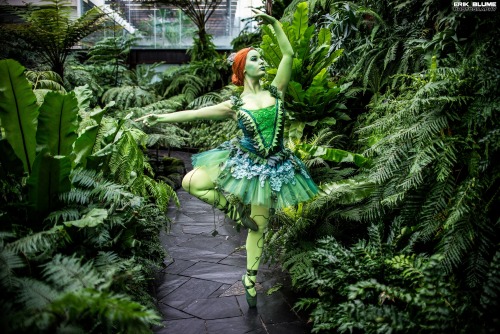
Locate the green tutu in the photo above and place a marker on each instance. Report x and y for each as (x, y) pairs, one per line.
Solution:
(277, 181)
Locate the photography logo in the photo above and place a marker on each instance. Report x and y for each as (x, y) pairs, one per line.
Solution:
(472, 6)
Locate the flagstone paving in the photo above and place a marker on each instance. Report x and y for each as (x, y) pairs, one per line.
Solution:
(200, 290)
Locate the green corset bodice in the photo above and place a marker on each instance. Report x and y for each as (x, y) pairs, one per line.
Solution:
(262, 128)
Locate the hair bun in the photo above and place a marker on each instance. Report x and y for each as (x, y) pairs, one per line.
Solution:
(235, 80)
(238, 77)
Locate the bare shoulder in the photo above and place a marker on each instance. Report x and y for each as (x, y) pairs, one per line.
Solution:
(226, 107)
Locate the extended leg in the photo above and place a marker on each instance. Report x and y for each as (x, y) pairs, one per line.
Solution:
(255, 245)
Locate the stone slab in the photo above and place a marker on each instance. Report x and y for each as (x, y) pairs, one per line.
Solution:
(220, 291)
(198, 228)
(236, 259)
(191, 290)
(296, 327)
(236, 325)
(170, 313)
(214, 308)
(214, 272)
(193, 254)
(203, 242)
(276, 309)
(177, 266)
(169, 284)
(183, 326)
(237, 289)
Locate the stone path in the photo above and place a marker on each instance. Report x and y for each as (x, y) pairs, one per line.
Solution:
(200, 290)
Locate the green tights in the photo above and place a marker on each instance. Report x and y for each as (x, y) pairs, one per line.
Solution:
(199, 183)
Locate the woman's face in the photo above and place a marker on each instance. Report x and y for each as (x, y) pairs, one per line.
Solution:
(254, 65)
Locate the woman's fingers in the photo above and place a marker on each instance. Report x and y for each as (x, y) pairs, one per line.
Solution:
(141, 118)
(263, 16)
(147, 119)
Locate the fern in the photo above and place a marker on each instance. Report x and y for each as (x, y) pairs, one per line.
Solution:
(206, 100)
(373, 287)
(192, 86)
(69, 274)
(34, 243)
(113, 311)
(129, 96)
(34, 294)
(9, 261)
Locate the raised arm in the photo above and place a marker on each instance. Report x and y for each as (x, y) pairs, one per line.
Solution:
(219, 111)
(284, 72)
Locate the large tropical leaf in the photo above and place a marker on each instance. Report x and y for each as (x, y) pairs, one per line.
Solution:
(299, 22)
(270, 47)
(332, 154)
(84, 145)
(49, 178)
(57, 123)
(91, 219)
(18, 111)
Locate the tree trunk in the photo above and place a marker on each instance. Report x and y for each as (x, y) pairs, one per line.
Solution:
(58, 67)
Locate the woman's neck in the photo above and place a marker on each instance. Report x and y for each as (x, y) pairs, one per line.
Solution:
(251, 86)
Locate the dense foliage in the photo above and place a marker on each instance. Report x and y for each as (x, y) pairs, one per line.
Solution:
(51, 32)
(79, 240)
(422, 99)
(393, 105)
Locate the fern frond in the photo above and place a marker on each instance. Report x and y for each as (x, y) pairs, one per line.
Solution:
(63, 215)
(69, 274)
(206, 100)
(34, 294)
(9, 261)
(37, 242)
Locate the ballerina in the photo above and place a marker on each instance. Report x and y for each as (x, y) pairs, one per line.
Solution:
(248, 178)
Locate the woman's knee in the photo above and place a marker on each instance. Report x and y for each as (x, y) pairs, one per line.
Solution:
(187, 182)
(197, 180)
(261, 217)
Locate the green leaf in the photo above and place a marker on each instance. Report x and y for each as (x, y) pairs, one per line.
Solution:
(328, 121)
(332, 154)
(314, 95)
(49, 178)
(18, 111)
(57, 123)
(349, 191)
(274, 288)
(83, 95)
(296, 130)
(271, 50)
(303, 49)
(93, 218)
(84, 145)
(296, 91)
(324, 36)
(300, 21)
(320, 79)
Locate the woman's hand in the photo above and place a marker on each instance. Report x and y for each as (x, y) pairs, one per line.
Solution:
(265, 19)
(148, 120)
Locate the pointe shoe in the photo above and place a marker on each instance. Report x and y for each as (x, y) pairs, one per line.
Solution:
(251, 300)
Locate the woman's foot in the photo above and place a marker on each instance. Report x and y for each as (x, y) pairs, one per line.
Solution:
(248, 282)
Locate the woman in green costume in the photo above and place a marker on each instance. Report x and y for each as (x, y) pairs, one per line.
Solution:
(256, 171)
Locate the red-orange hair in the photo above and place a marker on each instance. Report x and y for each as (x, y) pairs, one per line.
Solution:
(240, 59)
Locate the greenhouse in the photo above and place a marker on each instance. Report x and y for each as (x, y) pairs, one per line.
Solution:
(249, 166)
